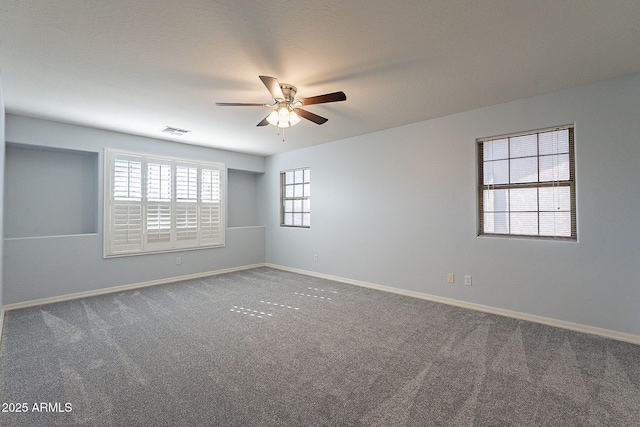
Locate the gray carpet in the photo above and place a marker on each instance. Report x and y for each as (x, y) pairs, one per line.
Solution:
(264, 347)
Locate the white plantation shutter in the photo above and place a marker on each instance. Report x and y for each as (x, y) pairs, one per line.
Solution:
(126, 205)
(186, 204)
(211, 221)
(186, 223)
(157, 204)
(127, 227)
(159, 200)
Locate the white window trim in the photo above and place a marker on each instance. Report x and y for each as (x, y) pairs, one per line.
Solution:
(190, 241)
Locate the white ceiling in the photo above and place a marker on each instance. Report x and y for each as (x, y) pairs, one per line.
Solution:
(138, 66)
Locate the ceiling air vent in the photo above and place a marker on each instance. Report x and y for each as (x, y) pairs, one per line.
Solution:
(174, 131)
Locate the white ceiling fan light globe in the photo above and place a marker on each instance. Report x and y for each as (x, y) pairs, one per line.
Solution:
(283, 125)
(283, 114)
(294, 118)
(272, 118)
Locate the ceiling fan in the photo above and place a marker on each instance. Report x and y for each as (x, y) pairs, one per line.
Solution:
(287, 110)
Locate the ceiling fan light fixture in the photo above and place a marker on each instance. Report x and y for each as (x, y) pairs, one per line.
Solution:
(283, 117)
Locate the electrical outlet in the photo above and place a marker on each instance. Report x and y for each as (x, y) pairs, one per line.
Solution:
(467, 280)
(315, 257)
(450, 278)
(178, 261)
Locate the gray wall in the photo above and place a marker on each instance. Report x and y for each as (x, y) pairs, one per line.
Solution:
(61, 253)
(398, 208)
(242, 189)
(52, 192)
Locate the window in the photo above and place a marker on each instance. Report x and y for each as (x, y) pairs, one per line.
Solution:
(295, 198)
(526, 184)
(156, 204)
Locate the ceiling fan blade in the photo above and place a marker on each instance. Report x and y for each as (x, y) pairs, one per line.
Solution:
(323, 99)
(273, 86)
(310, 116)
(264, 122)
(237, 104)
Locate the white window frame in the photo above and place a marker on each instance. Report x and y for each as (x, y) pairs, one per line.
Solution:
(295, 198)
(534, 183)
(187, 196)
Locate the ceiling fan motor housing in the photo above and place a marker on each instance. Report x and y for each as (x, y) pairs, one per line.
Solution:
(289, 92)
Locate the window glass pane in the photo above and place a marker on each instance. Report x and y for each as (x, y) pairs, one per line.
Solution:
(288, 177)
(306, 220)
(554, 142)
(297, 205)
(495, 150)
(306, 205)
(496, 223)
(288, 205)
(307, 190)
(524, 170)
(299, 175)
(307, 175)
(297, 219)
(524, 223)
(288, 219)
(554, 168)
(288, 191)
(523, 146)
(297, 192)
(496, 172)
(523, 199)
(553, 199)
(496, 200)
(555, 224)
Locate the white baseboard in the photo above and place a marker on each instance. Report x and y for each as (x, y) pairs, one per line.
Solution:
(112, 289)
(607, 333)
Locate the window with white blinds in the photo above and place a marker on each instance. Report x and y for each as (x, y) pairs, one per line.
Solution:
(156, 204)
(526, 184)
